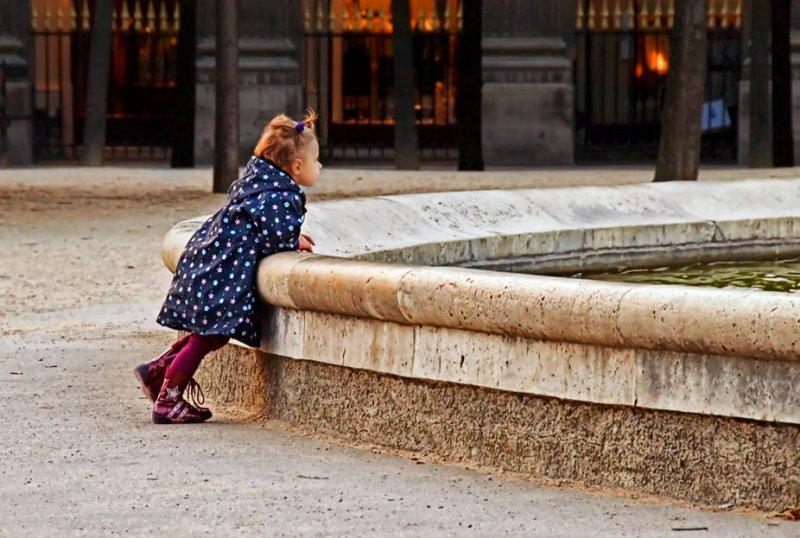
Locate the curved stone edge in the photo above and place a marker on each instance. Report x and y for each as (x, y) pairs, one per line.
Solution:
(738, 323)
(698, 383)
(457, 228)
(727, 322)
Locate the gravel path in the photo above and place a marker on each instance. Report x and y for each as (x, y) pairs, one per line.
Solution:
(81, 280)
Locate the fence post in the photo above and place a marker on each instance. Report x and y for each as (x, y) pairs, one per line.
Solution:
(405, 137)
(183, 134)
(226, 76)
(94, 137)
(760, 150)
(17, 122)
(3, 120)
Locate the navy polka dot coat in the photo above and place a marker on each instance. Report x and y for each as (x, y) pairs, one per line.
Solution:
(213, 291)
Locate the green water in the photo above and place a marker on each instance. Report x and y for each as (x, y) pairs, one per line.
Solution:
(778, 275)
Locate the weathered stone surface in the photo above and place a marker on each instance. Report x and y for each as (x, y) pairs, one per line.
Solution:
(357, 343)
(343, 286)
(715, 385)
(464, 227)
(561, 369)
(706, 320)
(743, 387)
(525, 305)
(283, 331)
(674, 318)
(693, 457)
(237, 375)
(274, 282)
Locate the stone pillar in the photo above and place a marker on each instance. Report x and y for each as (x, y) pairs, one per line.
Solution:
(744, 102)
(527, 102)
(14, 28)
(796, 90)
(269, 75)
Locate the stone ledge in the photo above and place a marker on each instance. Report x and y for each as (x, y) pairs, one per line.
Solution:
(739, 323)
(659, 379)
(712, 339)
(455, 228)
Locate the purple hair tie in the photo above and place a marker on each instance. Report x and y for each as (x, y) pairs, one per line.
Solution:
(299, 126)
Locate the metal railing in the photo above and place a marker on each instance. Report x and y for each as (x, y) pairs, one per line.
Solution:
(348, 76)
(142, 86)
(623, 56)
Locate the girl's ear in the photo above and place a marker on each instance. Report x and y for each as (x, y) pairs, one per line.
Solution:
(297, 166)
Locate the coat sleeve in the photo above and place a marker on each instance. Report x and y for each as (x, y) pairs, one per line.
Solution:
(279, 223)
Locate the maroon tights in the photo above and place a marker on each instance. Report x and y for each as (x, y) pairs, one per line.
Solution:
(188, 359)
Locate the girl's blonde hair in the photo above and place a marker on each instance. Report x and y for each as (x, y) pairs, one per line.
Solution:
(283, 138)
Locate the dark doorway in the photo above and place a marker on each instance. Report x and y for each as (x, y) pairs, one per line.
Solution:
(143, 83)
(348, 76)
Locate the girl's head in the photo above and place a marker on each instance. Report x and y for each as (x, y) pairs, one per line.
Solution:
(293, 146)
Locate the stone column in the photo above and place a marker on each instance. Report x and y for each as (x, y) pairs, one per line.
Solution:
(14, 28)
(796, 91)
(269, 75)
(527, 102)
(744, 105)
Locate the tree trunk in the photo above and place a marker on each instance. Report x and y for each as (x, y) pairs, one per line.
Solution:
(760, 145)
(470, 82)
(679, 149)
(183, 133)
(406, 154)
(94, 131)
(782, 110)
(226, 116)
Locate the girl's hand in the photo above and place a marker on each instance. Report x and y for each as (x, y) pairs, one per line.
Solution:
(306, 243)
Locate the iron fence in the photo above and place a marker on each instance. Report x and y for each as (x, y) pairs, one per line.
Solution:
(3, 117)
(142, 87)
(348, 76)
(623, 56)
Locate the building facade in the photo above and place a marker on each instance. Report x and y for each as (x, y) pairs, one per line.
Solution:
(563, 81)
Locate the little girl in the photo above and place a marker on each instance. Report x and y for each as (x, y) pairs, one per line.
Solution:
(213, 294)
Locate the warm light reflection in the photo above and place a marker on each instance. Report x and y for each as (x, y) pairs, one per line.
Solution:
(376, 15)
(657, 61)
(656, 56)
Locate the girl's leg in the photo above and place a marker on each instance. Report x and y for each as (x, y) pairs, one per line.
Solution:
(151, 374)
(170, 407)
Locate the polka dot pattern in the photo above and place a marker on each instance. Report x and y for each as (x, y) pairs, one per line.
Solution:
(213, 290)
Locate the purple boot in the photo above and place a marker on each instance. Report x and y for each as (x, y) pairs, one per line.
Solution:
(151, 374)
(171, 408)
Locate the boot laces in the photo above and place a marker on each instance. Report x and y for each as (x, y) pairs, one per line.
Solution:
(195, 394)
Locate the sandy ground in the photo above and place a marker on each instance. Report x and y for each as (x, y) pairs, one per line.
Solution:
(81, 281)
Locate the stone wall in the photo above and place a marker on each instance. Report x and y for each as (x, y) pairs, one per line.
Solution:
(269, 77)
(269, 81)
(744, 104)
(699, 458)
(527, 107)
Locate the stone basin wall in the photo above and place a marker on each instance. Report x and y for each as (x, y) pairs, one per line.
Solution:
(686, 392)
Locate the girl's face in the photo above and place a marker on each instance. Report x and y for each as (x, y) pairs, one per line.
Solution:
(306, 168)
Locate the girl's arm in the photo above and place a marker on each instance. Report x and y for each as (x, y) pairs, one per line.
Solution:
(279, 223)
